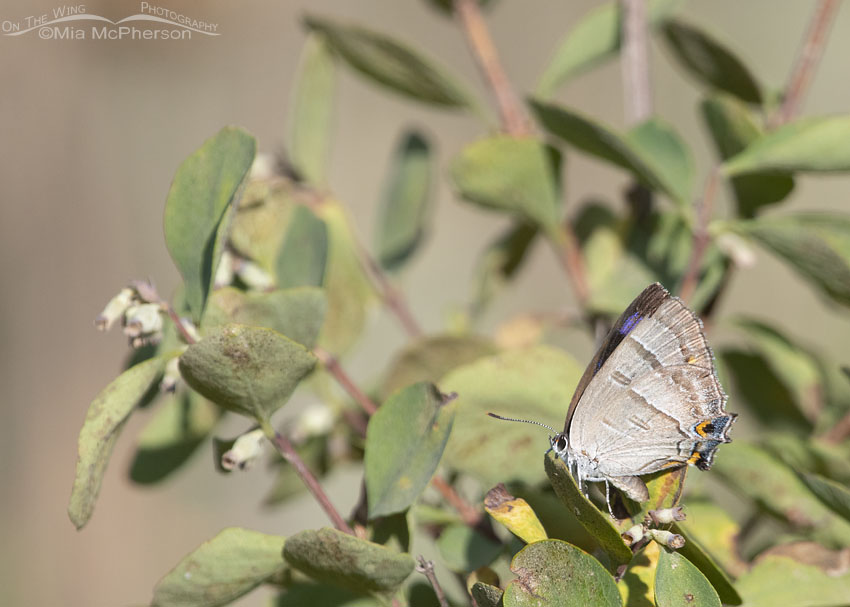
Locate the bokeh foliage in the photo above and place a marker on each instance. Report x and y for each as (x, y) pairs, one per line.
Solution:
(277, 288)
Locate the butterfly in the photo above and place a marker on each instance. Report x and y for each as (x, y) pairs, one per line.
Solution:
(649, 400)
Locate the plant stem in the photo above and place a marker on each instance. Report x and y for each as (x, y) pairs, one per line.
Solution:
(181, 328)
(287, 451)
(705, 206)
(332, 365)
(572, 260)
(470, 515)
(427, 569)
(634, 61)
(839, 432)
(392, 297)
(513, 117)
(807, 60)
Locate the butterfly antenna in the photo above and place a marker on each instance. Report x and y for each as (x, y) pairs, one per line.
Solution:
(525, 421)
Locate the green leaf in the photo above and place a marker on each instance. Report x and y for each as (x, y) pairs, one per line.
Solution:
(464, 549)
(391, 63)
(297, 313)
(614, 274)
(303, 254)
(834, 495)
(533, 383)
(486, 595)
(594, 39)
(679, 584)
(499, 263)
(668, 156)
(174, 433)
(431, 357)
(817, 144)
(597, 523)
(705, 563)
(392, 531)
(221, 570)
(517, 175)
(403, 212)
(349, 290)
(767, 397)
(754, 473)
(248, 370)
(780, 580)
(643, 153)
(710, 62)
(637, 584)
(716, 533)
(806, 454)
(105, 419)
(733, 127)
(798, 369)
(553, 573)
(261, 222)
(404, 444)
(816, 245)
(310, 118)
(339, 559)
(203, 192)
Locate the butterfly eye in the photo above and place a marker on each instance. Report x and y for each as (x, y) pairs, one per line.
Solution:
(561, 444)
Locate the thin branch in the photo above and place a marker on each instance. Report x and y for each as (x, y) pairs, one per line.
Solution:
(471, 516)
(427, 569)
(288, 453)
(572, 260)
(332, 365)
(635, 61)
(513, 117)
(839, 432)
(705, 206)
(392, 297)
(807, 60)
(178, 322)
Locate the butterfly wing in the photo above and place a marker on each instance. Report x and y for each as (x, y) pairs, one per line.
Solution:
(653, 400)
(643, 305)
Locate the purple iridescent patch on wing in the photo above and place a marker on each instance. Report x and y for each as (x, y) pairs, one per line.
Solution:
(630, 323)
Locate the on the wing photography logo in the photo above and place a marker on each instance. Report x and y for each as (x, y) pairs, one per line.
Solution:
(72, 22)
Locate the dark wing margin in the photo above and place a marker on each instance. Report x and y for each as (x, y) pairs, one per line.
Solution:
(643, 305)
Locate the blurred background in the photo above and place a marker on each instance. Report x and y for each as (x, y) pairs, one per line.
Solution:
(92, 133)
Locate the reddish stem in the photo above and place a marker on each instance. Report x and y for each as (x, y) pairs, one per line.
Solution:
(807, 60)
(701, 236)
(513, 118)
(288, 453)
(333, 367)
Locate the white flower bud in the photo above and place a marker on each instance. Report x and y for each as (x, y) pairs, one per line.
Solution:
(224, 271)
(254, 276)
(633, 535)
(115, 309)
(667, 538)
(245, 451)
(316, 420)
(667, 515)
(171, 376)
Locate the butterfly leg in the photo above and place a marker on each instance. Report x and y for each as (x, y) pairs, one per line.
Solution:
(608, 499)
